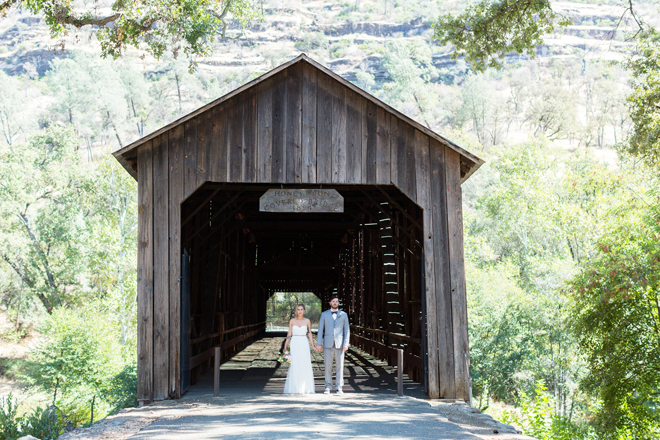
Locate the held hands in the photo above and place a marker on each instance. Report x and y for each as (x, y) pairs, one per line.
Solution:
(318, 348)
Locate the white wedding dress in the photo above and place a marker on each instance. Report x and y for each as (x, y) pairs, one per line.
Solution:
(300, 378)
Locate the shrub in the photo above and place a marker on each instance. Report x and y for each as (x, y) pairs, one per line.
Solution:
(9, 423)
(312, 41)
(43, 423)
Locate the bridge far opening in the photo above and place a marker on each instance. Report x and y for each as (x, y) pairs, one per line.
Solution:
(281, 307)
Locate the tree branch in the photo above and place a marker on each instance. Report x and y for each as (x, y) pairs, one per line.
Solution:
(37, 248)
(6, 5)
(27, 280)
(67, 18)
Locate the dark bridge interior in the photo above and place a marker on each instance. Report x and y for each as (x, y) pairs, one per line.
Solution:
(236, 257)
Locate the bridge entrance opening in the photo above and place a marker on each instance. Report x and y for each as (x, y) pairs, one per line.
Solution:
(239, 261)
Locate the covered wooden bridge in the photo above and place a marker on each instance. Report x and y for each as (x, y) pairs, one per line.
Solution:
(299, 181)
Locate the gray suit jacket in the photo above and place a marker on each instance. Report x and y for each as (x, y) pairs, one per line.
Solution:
(333, 333)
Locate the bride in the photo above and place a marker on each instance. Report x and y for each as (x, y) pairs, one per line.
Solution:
(300, 378)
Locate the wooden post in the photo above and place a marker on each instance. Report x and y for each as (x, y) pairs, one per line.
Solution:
(399, 372)
(216, 372)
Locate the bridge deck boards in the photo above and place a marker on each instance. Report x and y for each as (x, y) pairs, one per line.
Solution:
(255, 369)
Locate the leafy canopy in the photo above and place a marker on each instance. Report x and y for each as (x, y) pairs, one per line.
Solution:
(644, 100)
(488, 30)
(188, 25)
(616, 316)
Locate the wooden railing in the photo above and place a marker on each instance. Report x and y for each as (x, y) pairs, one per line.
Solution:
(377, 343)
(250, 331)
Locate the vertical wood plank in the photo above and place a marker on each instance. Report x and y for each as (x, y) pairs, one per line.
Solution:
(190, 171)
(278, 173)
(401, 178)
(446, 376)
(423, 161)
(218, 153)
(294, 124)
(371, 147)
(407, 175)
(145, 273)
(338, 133)
(309, 124)
(236, 139)
(353, 137)
(324, 129)
(383, 154)
(364, 139)
(457, 271)
(176, 156)
(161, 267)
(264, 131)
(395, 148)
(249, 137)
(204, 137)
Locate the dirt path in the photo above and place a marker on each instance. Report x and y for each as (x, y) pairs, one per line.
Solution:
(276, 416)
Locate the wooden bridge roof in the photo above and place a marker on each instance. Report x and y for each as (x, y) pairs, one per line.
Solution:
(127, 156)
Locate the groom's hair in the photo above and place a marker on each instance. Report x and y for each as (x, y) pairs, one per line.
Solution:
(333, 297)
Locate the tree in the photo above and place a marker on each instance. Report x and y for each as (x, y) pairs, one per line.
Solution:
(480, 107)
(80, 361)
(113, 246)
(488, 30)
(155, 25)
(13, 109)
(616, 317)
(42, 223)
(644, 101)
(410, 67)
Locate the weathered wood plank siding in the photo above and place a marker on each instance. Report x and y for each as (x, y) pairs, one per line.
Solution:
(161, 267)
(309, 124)
(264, 131)
(457, 271)
(424, 199)
(442, 264)
(294, 125)
(176, 167)
(145, 274)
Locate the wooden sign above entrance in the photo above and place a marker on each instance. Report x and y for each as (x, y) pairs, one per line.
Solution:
(301, 200)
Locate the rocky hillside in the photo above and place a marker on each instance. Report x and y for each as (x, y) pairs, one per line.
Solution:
(355, 39)
(318, 27)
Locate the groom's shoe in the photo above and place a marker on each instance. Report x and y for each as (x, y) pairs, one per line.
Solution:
(327, 391)
(339, 392)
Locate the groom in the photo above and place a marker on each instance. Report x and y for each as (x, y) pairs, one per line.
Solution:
(334, 332)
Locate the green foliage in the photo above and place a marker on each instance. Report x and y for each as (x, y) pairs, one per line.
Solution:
(42, 423)
(616, 316)
(9, 422)
(281, 307)
(82, 359)
(644, 100)
(42, 229)
(539, 420)
(154, 25)
(312, 41)
(488, 30)
(409, 65)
